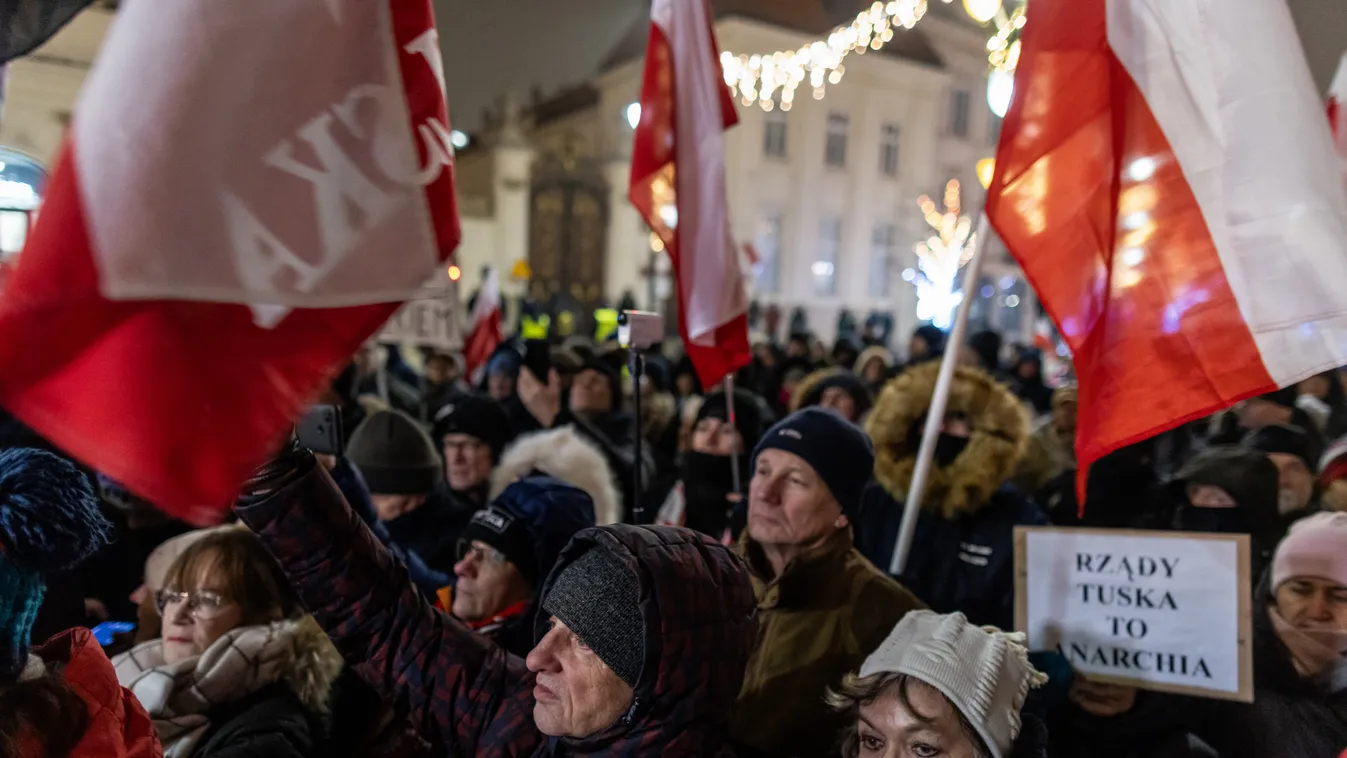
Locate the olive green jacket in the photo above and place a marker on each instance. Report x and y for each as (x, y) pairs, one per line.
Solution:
(818, 621)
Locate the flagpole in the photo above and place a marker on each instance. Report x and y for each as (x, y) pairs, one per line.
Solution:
(935, 416)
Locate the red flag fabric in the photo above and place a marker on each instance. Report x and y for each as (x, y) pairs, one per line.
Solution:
(217, 242)
(486, 335)
(678, 183)
(1177, 209)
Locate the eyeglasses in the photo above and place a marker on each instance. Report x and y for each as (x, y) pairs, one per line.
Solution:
(480, 553)
(202, 604)
(464, 446)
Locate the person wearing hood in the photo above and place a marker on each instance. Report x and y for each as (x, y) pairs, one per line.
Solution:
(1052, 444)
(1231, 490)
(567, 456)
(1288, 447)
(704, 498)
(506, 551)
(927, 344)
(874, 366)
(408, 490)
(834, 388)
(1322, 397)
(1332, 479)
(62, 697)
(939, 685)
(962, 556)
(594, 409)
(1299, 652)
(821, 604)
(1029, 384)
(640, 646)
(986, 346)
(502, 373)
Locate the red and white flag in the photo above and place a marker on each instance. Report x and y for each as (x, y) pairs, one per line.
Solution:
(485, 335)
(1337, 112)
(1175, 205)
(246, 191)
(678, 183)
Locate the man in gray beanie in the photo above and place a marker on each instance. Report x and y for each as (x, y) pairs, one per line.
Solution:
(821, 604)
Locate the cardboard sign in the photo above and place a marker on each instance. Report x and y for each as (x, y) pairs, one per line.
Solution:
(1167, 611)
(431, 322)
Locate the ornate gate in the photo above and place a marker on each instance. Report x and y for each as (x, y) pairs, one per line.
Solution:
(568, 236)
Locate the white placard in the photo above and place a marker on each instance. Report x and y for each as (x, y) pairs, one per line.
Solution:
(432, 322)
(1163, 611)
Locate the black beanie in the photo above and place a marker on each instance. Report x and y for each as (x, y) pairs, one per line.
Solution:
(598, 599)
(1287, 440)
(506, 533)
(747, 414)
(848, 383)
(609, 372)
(838, 451)
(395, 455)
(476, 416)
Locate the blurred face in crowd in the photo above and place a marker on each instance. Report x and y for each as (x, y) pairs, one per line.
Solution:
(797, 349)
(686, 384)
(500, 386)
(788, 504)
(714, 436)
(917, 348)
(1312, 604)
(1295, 481)
(440, 369)
(366, 359)
(467, 461)
(1257, 413)
(922, 725)
(1064, 418)
(839, 400)
(1027, 370)
(389, 507)
(874, 371)
(591, 393)
(575, 693)
(487, 582)
(1207, 496)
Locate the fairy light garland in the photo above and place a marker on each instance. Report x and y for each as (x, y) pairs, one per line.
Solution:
(940, 257)
(761, 78)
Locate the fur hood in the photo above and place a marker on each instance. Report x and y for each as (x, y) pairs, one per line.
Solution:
(869, 354)
(1000, 431)
(808, 385)
(565, 455)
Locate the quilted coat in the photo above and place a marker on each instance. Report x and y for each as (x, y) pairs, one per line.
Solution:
(468, 697)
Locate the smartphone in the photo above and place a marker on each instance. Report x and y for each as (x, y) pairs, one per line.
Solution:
(538, 358)
(320, 430)
(105, 631)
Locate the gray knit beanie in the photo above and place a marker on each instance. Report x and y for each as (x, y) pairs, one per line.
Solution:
(395, 455)
(598, 599)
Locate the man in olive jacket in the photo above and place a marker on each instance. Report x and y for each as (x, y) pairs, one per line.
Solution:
(822, 606)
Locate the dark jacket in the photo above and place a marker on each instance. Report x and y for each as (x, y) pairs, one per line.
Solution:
(1157, 726)
(821, 617)
(615, 434)
(270, 723)
(432, 530)
(1291, 716)
(469, 697)
(1252, 481)
(962, 556)
(352, 485)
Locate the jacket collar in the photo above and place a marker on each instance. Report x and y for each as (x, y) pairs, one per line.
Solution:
(805, 580)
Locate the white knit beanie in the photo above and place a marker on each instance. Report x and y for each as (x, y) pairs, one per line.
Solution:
(984, 672)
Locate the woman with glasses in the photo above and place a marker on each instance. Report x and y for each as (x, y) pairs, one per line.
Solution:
(238, 671)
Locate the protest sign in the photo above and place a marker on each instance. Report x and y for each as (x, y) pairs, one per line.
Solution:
(429, 322)
(1167, 611)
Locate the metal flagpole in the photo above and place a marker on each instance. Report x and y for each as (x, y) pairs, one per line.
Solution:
(935, 416)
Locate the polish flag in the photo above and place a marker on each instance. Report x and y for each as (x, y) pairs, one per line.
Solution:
(1166, 180)
(485, 336)
(678, 183)
(247, 190)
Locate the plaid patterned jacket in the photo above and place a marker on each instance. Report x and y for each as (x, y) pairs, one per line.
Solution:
(470, 698)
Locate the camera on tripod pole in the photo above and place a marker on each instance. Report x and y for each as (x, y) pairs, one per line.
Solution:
(639, 330)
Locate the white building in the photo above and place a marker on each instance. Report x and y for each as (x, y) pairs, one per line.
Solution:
(827, 192)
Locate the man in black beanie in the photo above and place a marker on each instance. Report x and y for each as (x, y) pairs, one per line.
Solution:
(822, 606)
(1290, 448)
(472, 431)
(704, 498)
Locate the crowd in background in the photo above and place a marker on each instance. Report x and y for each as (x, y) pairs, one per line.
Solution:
(517, 565)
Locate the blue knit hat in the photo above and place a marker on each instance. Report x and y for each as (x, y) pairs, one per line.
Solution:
(838, 451)
(49, 520)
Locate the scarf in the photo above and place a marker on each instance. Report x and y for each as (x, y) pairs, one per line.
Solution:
(492, 623)
(1312, 651)
(180, 696)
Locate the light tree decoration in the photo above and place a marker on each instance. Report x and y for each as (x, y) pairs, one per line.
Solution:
(940, 256)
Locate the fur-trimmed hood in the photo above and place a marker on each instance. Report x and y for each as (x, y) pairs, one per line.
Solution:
(1000, 431)
(563, 454)
(869, 354)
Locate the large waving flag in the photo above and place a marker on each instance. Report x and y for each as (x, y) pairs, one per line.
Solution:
(678, 183)
(247, 189)
(1166, 180)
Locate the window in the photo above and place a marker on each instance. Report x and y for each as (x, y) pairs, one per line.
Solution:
(993, 129)
(836, 154)
(888, 150)
(774, 134)
(882, 245)
(958, 112)
(767, 246)
(824, 268)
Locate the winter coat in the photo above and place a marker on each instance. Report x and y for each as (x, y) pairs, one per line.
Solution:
(467, 696)
(820, 618)
(962, 556)
(432, 530)
(1252, 481)
(564, 454)
(1291, 716)
(1157, 726)
(257, 691)
(354, 489)
(1047, 456)
(118, 725)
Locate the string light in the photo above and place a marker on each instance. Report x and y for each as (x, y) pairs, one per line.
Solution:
(940, 256)
(764, 78)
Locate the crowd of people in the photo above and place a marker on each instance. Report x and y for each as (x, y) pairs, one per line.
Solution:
(522, 566)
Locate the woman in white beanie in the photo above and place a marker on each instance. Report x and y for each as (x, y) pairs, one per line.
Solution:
(940, 686)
